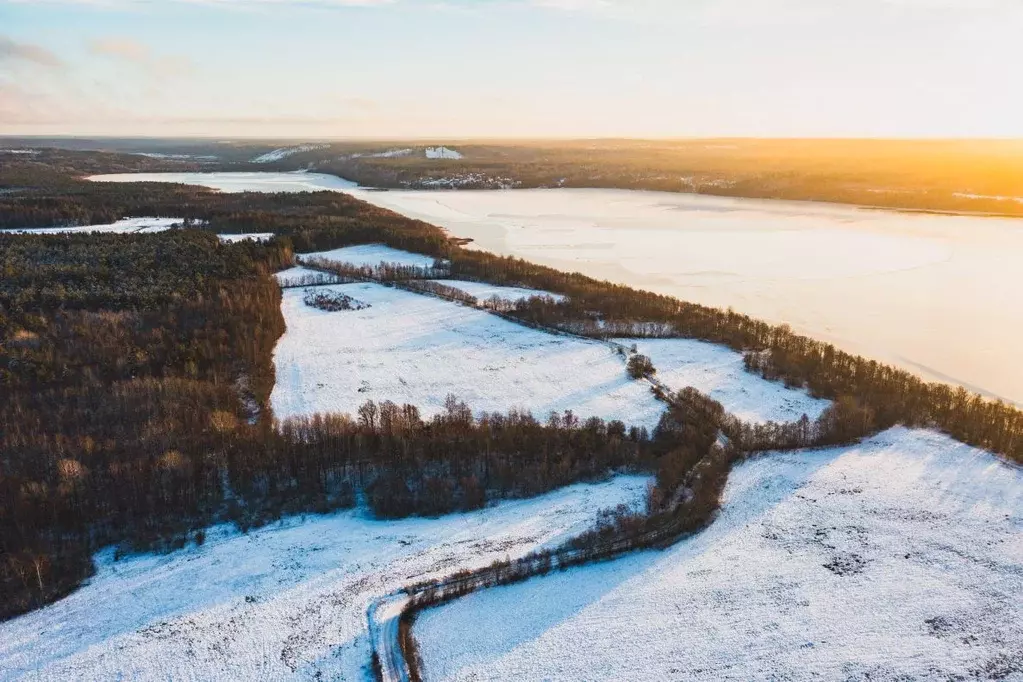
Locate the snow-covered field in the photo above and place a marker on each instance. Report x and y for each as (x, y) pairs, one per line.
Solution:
(396, 352)
(372, 255)
(897, 559)
(286, 602)
(285, 152)
(418, 349)
(483, 291)
(123, 226)
(246, 237)
(140, 226)
(176, 157)
(442, 153)
(718, 372)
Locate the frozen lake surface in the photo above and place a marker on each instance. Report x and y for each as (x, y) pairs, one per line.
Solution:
(938, 295)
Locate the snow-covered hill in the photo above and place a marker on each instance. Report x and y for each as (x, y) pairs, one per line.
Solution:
(897, 559)
(718, 372)
(286, 602)
(442, 153)
(123, 226)
(417, 349)
(285, 152)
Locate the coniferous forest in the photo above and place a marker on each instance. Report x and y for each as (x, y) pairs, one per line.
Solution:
(136, 370)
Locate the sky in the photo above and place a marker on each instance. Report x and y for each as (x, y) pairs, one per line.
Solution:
(512, 68)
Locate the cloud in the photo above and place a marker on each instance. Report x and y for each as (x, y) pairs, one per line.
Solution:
(122, 48)
(134, 52)
(25, 52)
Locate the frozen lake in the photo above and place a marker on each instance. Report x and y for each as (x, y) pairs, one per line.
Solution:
(938, 295)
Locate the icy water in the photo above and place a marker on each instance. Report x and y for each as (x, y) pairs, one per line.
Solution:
(939, 295)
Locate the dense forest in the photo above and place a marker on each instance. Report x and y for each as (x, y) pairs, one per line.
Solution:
(136, 372)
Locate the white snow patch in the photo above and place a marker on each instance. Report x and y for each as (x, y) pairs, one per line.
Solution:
(123, 226)
(372, 255)
(297, 275)
(718, 371)
(286, 602)
(442, 153)
(285, 152)
(391, 153)
(27, 152)
(483, 291)
(177, 157)
(246, 237)
(900, 558)
(418, 349)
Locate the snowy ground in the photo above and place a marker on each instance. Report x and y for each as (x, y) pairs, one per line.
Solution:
(123, 226)
(285, 152)
(418, 349)
(483, 291)
(718, 372)
(442, 153)
(177, 157)
(249, 236)
(372, 255)
(899, 559)
(286, 602)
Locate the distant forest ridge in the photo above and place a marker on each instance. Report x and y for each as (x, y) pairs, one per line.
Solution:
(956, 176)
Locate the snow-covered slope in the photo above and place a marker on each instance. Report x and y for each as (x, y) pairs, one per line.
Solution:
(442, 153)
(246, 237)
(898, 559)
(372, 255)
(418, 349)
(391, 153)
(718, 372)
(123, 226)
(286, 602)
(483, 291)
(285, 152)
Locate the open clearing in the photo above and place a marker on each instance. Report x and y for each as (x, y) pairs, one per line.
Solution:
(900, 558)
(718, 371)
(246, 237)
(286, 602)
(484, 292)
(418, 349)
(372, 255)
(123, 226)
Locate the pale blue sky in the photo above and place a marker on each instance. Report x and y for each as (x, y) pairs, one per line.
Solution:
(469, 68)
